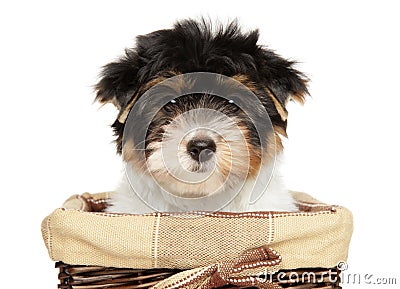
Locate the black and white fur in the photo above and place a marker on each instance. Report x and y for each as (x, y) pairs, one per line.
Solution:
(218, 127)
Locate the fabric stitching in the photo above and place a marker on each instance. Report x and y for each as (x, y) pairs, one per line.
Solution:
(155, 240)
(270, 229)
(49, 237)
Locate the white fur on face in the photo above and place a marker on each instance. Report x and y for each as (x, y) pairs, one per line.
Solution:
(128, 200)
(172, 181)
(178, 173)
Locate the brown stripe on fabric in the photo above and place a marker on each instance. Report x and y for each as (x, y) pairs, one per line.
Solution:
(271, 224)
(155, 237)
(96, 203)
(248, 215)
(327, 211)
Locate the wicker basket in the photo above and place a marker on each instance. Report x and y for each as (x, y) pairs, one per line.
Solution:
(85, 277)
(170, 251)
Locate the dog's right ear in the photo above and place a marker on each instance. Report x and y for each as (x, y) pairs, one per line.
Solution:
(119, 80)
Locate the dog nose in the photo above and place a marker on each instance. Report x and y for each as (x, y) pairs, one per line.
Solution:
(201, 150)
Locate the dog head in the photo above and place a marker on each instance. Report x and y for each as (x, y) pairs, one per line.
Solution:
(191, 140)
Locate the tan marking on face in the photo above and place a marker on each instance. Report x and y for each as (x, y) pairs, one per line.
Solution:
(273, 148)
(244, 157)
(253, 153)
(252, 86)
(243, 79)
(224, 158)
(255, 162)
(130, 155)
(281, 110)
(280, 130)
(179, 82)
(278, 143)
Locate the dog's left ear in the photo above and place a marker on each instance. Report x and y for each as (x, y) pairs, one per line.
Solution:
(282, 81)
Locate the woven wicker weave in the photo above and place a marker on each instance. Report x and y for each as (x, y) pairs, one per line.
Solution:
(94, 277)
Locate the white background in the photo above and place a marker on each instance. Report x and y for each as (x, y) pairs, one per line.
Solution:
(343, 146)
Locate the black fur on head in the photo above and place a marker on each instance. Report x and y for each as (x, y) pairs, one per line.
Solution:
(196, 46)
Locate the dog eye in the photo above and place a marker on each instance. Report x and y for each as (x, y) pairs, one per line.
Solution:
(169, 107)
(233, 107)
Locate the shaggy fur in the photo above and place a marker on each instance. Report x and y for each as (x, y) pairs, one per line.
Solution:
(196, 46)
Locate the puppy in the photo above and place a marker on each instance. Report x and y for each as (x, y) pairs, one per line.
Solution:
(201, 116)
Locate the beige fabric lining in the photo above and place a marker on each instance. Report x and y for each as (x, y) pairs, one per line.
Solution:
(317, 237)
